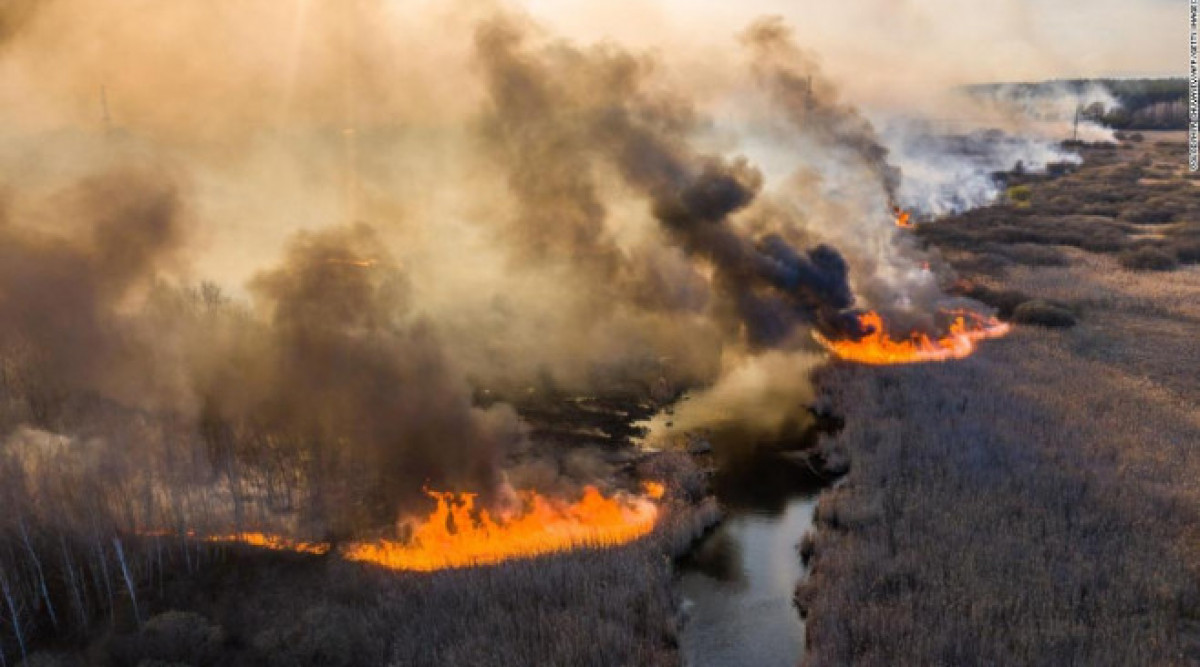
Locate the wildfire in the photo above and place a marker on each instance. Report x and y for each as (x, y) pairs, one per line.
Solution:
(878, 347)
(273, 542)
(903, 218)
(457, 534)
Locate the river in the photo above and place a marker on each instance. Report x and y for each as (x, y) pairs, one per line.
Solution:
(737, 584)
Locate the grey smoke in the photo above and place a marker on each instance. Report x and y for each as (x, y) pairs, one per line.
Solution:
(765, 285)
(60, 292)
(795, 82)
(947, 173)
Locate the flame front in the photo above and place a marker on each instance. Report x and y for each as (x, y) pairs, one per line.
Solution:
(457, 534)
(273, 542)
(903, 218)
(878, 347)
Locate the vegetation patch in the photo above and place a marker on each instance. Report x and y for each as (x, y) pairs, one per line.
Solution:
(1044, 314)
(1148, 259)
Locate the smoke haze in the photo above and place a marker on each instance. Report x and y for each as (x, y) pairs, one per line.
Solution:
(314, 232)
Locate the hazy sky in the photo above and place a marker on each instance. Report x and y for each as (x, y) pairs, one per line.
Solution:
(887, 43)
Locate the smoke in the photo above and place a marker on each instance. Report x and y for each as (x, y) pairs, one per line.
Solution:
(352, 367)
(331, 367)
(14, 16)
(810, 101)
(599, 104)
(757, 398)
(1055, 109)
(951, 173)
(61, 291)
(950, 164)
(295, 240)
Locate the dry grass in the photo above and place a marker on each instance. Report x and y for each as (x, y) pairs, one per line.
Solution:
(1031, 505)
(1039, 502)
(79, 586)
(599, 608)
(1044, 314)
(1148, 259)
(236, 605)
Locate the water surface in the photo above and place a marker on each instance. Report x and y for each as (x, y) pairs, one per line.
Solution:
(737, 584)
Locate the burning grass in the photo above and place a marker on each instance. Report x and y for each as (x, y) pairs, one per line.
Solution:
(253, 598)
(272, 542)
(458, 534)
(879, 347)
(1036, 503)
(904, 219)
(1013, 484)
(1104, 207)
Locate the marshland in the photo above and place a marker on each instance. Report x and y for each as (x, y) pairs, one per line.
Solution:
(395, 332)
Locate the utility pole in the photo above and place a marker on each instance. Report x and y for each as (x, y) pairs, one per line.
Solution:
(1075, 127)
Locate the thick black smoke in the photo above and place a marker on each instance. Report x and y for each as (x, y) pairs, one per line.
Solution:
(613, 118)
(330, 401)
(352, 372)
(534, 131)
(328, 396)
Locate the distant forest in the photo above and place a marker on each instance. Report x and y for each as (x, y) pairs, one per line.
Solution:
(1145, 104)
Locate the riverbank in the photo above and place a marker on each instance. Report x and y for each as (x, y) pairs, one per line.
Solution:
(1037, 503)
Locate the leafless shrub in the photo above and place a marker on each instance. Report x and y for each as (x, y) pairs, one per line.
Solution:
(171, 637)
(1148, 259)
(1040, 313)
(1187, 250)
(1029, 254)
(1005, 301)
(323, 634)
(1148, 214)
(54, 659)
(982, 264)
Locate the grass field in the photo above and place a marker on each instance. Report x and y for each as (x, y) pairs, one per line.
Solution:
(1039, 502)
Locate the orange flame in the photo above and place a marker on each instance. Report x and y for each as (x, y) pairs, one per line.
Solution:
(457, 534)
(273, 542)
(878, 347)
(903, 218)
